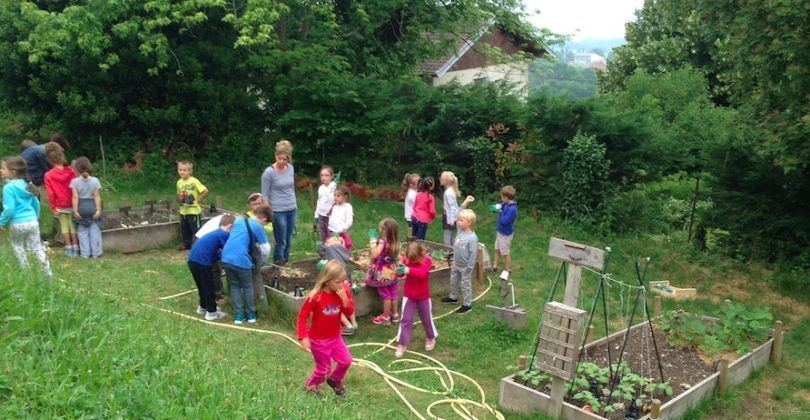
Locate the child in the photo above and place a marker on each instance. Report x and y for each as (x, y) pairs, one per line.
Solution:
(334, 250)
(322, 308)
(60, 197)
(449, 181)
(204, 252)
(409, 185)
(382, 269)
(464, 255)
(505, 227)
(238, 261)
(416, 268)
(342, 217)
(21, 211)
(326, 199)
(190, 193)
(424, 208)
(87, 209)
(254, 201)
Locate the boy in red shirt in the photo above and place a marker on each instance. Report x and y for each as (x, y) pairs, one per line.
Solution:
(60, 195)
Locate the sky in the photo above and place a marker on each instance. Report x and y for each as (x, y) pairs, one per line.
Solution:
(597, 19)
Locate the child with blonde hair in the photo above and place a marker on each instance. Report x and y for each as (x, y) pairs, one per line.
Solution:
(342, 217)
(87, 209)
(382, 269)
(190, 193)
(60, 196)
(465, 250)
(319, 328)
(410, 183)
(416, 269)
(449, 181)
(21, 212)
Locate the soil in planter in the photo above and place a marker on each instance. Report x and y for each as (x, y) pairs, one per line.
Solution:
(144, 217)
(303, 273)
(680, 365)
(439, 256)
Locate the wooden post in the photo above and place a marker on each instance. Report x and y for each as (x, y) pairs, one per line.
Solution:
(522, 362)
(218, 202)
(776, 350)
(655, 411)
(479, 266)
(590, 334)
(657, 306)
(722, 383)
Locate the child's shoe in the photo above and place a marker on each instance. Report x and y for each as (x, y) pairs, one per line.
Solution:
(400, 351)
(350, 330)
(463, 309)
(448, 299)
(239, 318)
(68, 251)
(430, 344)
(313, 390)
(340, 390)
(394, 317)
(381, 320)
(491, 269)
(213, 316)
(201, 310)
(251, 317)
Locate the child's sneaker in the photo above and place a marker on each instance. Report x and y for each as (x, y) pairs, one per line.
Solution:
(394, 317)
(239, 318)
(400, 351)
(448, 299)
(68, 251)
(463, 309)
(213, 316)
(350, 330)
(381, 320)
(251, 317)
(430, 344)
(340, 390)
(201, 310)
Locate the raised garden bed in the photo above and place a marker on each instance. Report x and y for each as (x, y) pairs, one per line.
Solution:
(691, 379)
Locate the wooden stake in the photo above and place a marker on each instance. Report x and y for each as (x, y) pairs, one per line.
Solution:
(219, 203)
(776, 350)
(657, 306)
(722, 384)
(479, 266)
(655, 412)
(590, 334)
(522, 362)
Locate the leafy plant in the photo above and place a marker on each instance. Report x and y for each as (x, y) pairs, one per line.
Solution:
(735, 330)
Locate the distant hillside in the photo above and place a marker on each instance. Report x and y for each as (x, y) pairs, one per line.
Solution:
(588, 45)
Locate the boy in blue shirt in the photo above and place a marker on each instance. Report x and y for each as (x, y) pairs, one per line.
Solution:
(204, 253)
(238, 263)
(505, 228)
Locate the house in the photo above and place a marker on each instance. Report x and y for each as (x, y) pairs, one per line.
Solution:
(590, 60)
(469, 62)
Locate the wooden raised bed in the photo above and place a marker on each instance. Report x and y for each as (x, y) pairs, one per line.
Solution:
(518, 397)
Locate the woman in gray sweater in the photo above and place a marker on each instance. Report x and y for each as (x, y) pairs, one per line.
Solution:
(278, 186)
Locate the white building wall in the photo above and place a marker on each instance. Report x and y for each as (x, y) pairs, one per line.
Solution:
(515, 73)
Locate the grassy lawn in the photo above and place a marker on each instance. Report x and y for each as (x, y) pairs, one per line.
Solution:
(99, 341)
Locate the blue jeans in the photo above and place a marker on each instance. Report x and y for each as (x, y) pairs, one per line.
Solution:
(283, 228)
(419, 229)
(240, 281)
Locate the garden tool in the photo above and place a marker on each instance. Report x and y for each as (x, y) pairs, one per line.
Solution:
(514, 314)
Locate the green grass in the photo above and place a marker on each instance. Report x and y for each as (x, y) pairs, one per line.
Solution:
(98, 345)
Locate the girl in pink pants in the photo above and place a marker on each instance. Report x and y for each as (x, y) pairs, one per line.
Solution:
(319, 328)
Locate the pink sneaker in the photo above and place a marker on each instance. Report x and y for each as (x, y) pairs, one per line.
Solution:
(430, 344)
(381, 320)
(394, 317)
(400, 351)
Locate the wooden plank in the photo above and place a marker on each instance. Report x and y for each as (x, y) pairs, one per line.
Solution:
(551, 326)
(577, 253)
(515, 396)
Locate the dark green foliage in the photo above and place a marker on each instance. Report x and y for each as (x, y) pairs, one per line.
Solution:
(562, 79)
(585, 169)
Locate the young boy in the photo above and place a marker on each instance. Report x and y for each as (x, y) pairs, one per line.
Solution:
(200, 262)
(465, 249)
(238, 262)
(190, 193)
(505, 228)
(60, 195)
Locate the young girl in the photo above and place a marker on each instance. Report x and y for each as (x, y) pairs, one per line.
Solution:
(424, 208)
(322, 308)
(21, 211)
(57, 188)
(416, 268)
(449, 181)
(326, 199)
(382, 270)
(87, 209)
(409, 185)
(342, 217)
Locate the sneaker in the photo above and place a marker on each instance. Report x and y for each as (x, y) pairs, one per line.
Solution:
(68, 251)
(394, 317)
(381, 320)
(463, 309)
(430, 344)
(340, 390)
(349, 330)
(239, 318)
(400, 351)
(251, 317)
(213, 316)
(448, 299)
(201, 310)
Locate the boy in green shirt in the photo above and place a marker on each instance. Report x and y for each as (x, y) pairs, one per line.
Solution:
(190, 194)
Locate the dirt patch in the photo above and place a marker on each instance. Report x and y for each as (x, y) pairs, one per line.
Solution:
(144, 216)
(441, 256)
(739, 289)
(302, 274)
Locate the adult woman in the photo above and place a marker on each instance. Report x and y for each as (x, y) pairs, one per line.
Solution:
(278, 186)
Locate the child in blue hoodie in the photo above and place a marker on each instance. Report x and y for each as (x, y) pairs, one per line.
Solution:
(21, 211)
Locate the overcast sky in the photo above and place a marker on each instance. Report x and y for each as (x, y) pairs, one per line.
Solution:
(593, 18)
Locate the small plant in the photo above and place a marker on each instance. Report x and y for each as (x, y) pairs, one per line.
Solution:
(534, 377)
